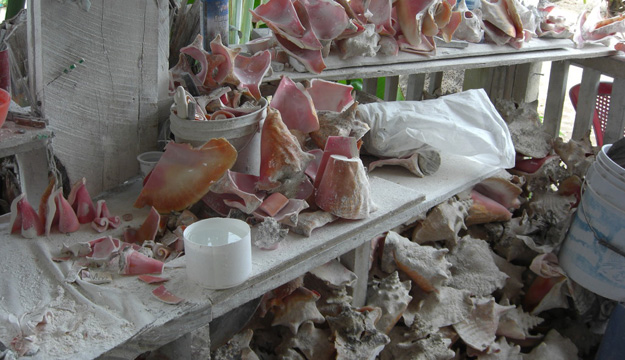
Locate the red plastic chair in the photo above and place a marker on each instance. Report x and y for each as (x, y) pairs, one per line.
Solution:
(602, 108)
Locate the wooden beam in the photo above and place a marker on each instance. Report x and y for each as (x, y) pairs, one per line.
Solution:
(106, 111)
(359, 261)
(391, 84)
(414, 87)
(436, 81)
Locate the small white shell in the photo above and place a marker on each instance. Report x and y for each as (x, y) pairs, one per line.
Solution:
(478, 330)
(390, 295)
(516, 323)
(555, 346)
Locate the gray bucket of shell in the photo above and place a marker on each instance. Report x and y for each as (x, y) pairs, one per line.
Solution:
(593, 253)
(243, 132)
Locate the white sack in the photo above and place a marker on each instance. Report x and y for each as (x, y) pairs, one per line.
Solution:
(464, 124)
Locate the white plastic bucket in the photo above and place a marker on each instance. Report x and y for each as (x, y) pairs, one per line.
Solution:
(218, 252)
(242, 132)
(593, 253)
(147, 161)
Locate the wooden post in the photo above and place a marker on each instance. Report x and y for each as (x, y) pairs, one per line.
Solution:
(370, 85)
(358, 261)
(102, 78)
(414, 86)
(436, 81)
(556, 94)
(586, 103)
(391, 84)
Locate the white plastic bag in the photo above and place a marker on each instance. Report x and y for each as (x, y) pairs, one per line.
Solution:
(464, 123)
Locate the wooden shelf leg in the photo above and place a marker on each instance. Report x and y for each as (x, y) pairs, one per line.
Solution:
(33, 173)
(616, 117)
(370, 86)
(556, 93)
(414, 88)
(436, 81)
(391, 85)
(586, 103)
(358, 261)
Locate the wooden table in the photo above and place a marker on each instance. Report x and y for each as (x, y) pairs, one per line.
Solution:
(399, 195)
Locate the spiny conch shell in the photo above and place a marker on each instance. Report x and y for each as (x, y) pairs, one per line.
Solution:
(344, 190)
(417, 343)
(474, 269)
(496, 13)
(334, 274)
(363, 44)
(556, 298)
(356, 337)
(478, 330)
(446, 307)
(443, 222)
(526, 131)
(313, 342)
(501, 350)
(268, 234)
(425, 265)
(332, 123)
(575, 154)
(242, 187)
(296, 308)
(555, 346)
(237, 348)
(282, 162)
(516, 323)
(514, 283)
(309, 221)
(225, 70)
(542, 178)
(551, 206)
(184, 174)
(470, 28)
(511, 234)
(501, 190)
(390, 295)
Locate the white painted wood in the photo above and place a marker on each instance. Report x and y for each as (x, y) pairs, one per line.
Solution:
(106, 111)
(414, 86)
(586, 103)
(442, 62)
(556, 93)
(33, 171)
(391, 85)
(616, 117)
(359, 261)
(436, 81)
(480, 78)
(35, 57)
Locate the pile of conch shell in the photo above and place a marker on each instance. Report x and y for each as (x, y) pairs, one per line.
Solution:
(445, 289)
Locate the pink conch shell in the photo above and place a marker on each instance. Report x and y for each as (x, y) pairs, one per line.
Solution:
(313, 166)
(289, 214)
(335, 145)
(479, 329)
(443, 222)
(221, 115)
(251, 70)
(516, 323)
(132, 262)
(67, 220)
(470, 28)
(311, 59)
(474, 268)
(501, 190)
(425, 265)
(496, 13)
(197, 52)
(392, 296)
(425, 47)
(280, 14)
(225, 70)
(296, 308)
(333, 123)
(485, 210)
(241, 188)
(24, 218)
(381, 16)
(356, 336)
(309, 221)
(43, 202)
(81, 202)
(184, 174)
(329, 95)
(103, 219)
(327, 18)
(344, 188)
(282, 161)
(274, 203)
(165, 296)
(447, 32)
(296, 107)
(103, 249)
(410, 13)
(150, 279)
(147, 231)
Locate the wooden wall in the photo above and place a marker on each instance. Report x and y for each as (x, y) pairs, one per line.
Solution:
(106, 110)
